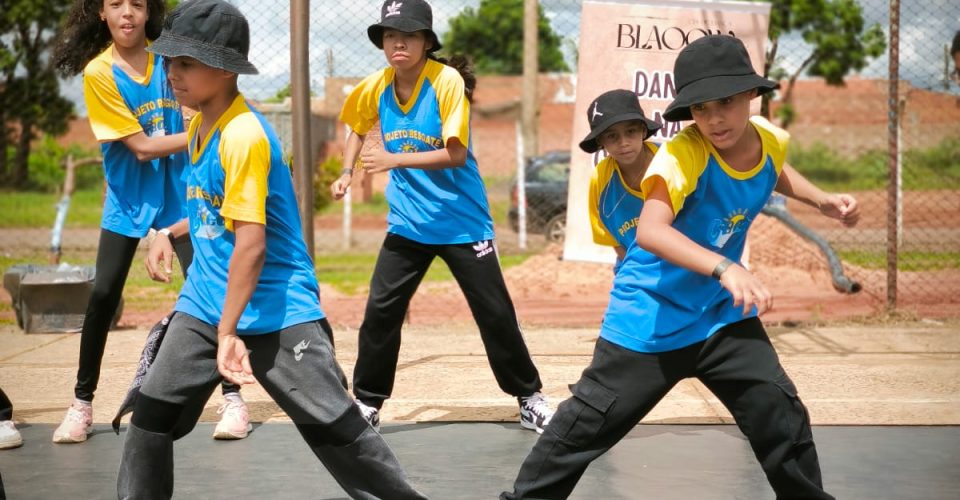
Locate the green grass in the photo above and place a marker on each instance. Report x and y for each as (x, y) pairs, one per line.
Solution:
(937, 167)
(906, 260)
(350, 273)
(35, 209)
(140, 293)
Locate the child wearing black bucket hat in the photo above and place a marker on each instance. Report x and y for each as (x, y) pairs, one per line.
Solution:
(140, 128)
(249, 309)
(619, 127)
(438, 208)
(681, 306)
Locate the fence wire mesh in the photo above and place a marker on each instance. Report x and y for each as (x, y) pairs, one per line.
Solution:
(839, 140)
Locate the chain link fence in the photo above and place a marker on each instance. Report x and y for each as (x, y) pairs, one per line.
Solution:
(840, 139)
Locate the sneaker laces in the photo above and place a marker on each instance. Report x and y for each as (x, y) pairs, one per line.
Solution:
(367, 411)
(537, 403)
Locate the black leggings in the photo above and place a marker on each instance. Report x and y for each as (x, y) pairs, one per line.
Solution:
(6, 407)
(400, 267)
(114, 256)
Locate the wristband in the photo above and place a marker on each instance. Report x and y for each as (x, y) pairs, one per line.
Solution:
(346, 170)
(166, 232)
(721, 267)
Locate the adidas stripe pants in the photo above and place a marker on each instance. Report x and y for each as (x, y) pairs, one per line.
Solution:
(400, 267)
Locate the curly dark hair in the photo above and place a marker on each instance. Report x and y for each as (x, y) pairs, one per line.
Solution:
(464, 67)
(955, 46)
(84, 34)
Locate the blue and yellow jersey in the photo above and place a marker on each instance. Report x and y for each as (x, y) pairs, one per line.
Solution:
(140, 195)
(656, 306)
(614, 206)
(238, 174)
(445, 206)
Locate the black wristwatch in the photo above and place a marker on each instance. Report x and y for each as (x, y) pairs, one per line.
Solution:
(721, 267)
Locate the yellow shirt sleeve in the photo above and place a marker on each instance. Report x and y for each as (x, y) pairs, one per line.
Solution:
(361, 108)
(109, 116)
(679, 163)
(454, 106)
(599, 179)
(775, 140)
(245, 157)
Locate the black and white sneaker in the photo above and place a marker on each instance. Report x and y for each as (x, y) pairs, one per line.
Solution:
(535, 413)
(370, 414)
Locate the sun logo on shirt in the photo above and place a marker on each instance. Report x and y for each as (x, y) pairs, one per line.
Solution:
(722, 229)
(408, 147)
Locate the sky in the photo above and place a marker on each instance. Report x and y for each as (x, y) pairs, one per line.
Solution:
(338, 34)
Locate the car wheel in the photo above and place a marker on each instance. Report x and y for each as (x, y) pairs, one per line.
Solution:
(556, 228)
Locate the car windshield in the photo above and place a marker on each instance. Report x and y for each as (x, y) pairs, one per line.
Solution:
(552, 171)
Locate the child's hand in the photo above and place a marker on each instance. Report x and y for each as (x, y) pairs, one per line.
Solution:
(339, 187)
(746, 289)
(378, 160)
(160, 259)
(233, 360)
(842, 207)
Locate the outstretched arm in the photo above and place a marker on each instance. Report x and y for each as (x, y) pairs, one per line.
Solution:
(147, 148)
(656, 234)
(454, 155)
(842, 207)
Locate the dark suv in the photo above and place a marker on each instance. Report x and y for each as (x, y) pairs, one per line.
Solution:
(546, 190)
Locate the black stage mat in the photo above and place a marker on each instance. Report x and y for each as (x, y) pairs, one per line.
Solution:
(478, 460)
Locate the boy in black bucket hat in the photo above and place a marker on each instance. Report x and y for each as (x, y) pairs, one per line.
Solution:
(619, 127)
(249, 309)
(681, 306)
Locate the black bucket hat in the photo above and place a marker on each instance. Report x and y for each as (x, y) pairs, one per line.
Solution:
(210, 31)
(610, 108)
(711, 68)
(407, 16)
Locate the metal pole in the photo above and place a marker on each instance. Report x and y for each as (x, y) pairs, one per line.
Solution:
(521, 191)
(347, 239)
(300, 113)
(530, 106)
(893, 126)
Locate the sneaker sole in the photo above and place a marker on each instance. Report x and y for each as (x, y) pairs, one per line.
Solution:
(531, 426)
(230, 436)
(11, 444)
(69, 439)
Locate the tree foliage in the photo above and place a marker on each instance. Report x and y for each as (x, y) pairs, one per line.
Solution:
(836, 31)
(492, 37)
(30, 100)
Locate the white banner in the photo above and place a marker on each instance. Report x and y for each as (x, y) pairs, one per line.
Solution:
(632, 45)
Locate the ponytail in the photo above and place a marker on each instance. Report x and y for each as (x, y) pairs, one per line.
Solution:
(463, 66)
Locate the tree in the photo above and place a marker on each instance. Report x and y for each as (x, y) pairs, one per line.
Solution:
(30, 100)
(492, 36)
(836, 31)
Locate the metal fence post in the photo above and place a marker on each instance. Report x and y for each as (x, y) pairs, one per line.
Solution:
(300, 113)
(893, 128)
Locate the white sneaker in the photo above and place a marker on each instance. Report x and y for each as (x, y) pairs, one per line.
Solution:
(235, 420)
(535, 413)
(9, 435)
(370, 414)
(77, 424)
